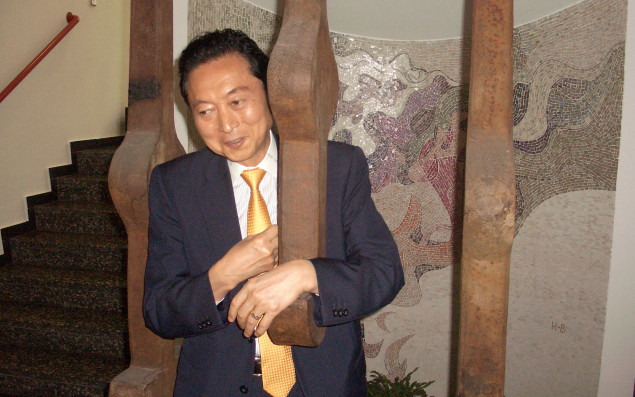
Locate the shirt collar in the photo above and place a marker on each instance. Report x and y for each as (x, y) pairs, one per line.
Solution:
(269, 163)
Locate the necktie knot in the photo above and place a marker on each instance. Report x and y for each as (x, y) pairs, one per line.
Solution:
(257, 214)
(253, 177)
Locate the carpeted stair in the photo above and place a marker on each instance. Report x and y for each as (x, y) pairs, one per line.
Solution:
(63, 325)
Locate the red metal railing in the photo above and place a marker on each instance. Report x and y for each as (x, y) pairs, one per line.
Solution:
(72, 21)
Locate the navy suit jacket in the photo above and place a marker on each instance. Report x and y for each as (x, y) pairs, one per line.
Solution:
(193, 223)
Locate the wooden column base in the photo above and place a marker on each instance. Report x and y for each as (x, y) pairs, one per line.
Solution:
(295, 325)
(142, 382)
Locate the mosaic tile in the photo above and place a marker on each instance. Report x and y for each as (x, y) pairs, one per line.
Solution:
(405, 104)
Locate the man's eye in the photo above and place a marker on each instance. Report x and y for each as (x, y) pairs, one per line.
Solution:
(237, 102)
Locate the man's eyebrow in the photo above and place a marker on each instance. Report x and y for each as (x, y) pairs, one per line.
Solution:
(236, 90)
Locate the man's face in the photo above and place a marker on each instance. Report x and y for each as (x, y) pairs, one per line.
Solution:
(230, 109)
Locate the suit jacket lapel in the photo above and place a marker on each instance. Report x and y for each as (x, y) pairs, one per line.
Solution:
(218, 206)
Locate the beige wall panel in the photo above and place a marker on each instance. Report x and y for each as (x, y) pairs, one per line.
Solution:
(79, 91)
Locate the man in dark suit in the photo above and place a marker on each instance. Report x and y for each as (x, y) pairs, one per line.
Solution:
(204, 273)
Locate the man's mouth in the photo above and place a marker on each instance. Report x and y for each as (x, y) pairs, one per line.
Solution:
(234, 142)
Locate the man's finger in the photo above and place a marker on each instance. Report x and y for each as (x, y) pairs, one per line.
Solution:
(263, 325)
(252, 324)
(269, 233)
(244, 317)
(274, 239)
(235, 305)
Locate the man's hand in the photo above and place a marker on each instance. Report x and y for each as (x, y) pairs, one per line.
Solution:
(251, 256)
(267, 294)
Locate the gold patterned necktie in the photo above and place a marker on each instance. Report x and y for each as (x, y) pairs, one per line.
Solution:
(278, 372)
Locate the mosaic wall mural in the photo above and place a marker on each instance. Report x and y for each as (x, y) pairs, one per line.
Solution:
(405, 105)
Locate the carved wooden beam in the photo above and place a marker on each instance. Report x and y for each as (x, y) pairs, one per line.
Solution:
(150, 140)
(488, 228)
(303, 91)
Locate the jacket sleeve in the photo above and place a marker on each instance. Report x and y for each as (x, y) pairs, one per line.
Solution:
(370, 275)
(176, 303)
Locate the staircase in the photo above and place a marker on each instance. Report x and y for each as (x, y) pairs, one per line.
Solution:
(63, 325)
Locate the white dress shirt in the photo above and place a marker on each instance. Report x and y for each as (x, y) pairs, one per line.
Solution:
(268, 188)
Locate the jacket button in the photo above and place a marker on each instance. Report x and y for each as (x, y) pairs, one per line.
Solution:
(345, 312)
(200, 326)
(244, 389)
(335, 312)
(209, 322)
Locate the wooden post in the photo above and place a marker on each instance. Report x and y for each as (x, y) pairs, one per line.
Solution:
(303, 91)
(488, 228)
(150, 140)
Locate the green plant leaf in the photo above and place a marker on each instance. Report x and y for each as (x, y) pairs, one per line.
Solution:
(379, 385)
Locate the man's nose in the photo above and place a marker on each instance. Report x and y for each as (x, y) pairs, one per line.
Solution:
(227, 120)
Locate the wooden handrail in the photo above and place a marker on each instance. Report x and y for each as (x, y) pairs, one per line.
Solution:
(72, 21)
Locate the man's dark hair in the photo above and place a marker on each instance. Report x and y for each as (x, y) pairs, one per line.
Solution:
(213, 45)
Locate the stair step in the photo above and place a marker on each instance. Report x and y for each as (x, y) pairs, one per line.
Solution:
(36, 372)
(58, 328)
(63, 321)
(67, 288)
(95, 218)
(83, 188)
(71, 250)
(95, 161)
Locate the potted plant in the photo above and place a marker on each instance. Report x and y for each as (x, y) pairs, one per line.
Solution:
(380, 385)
